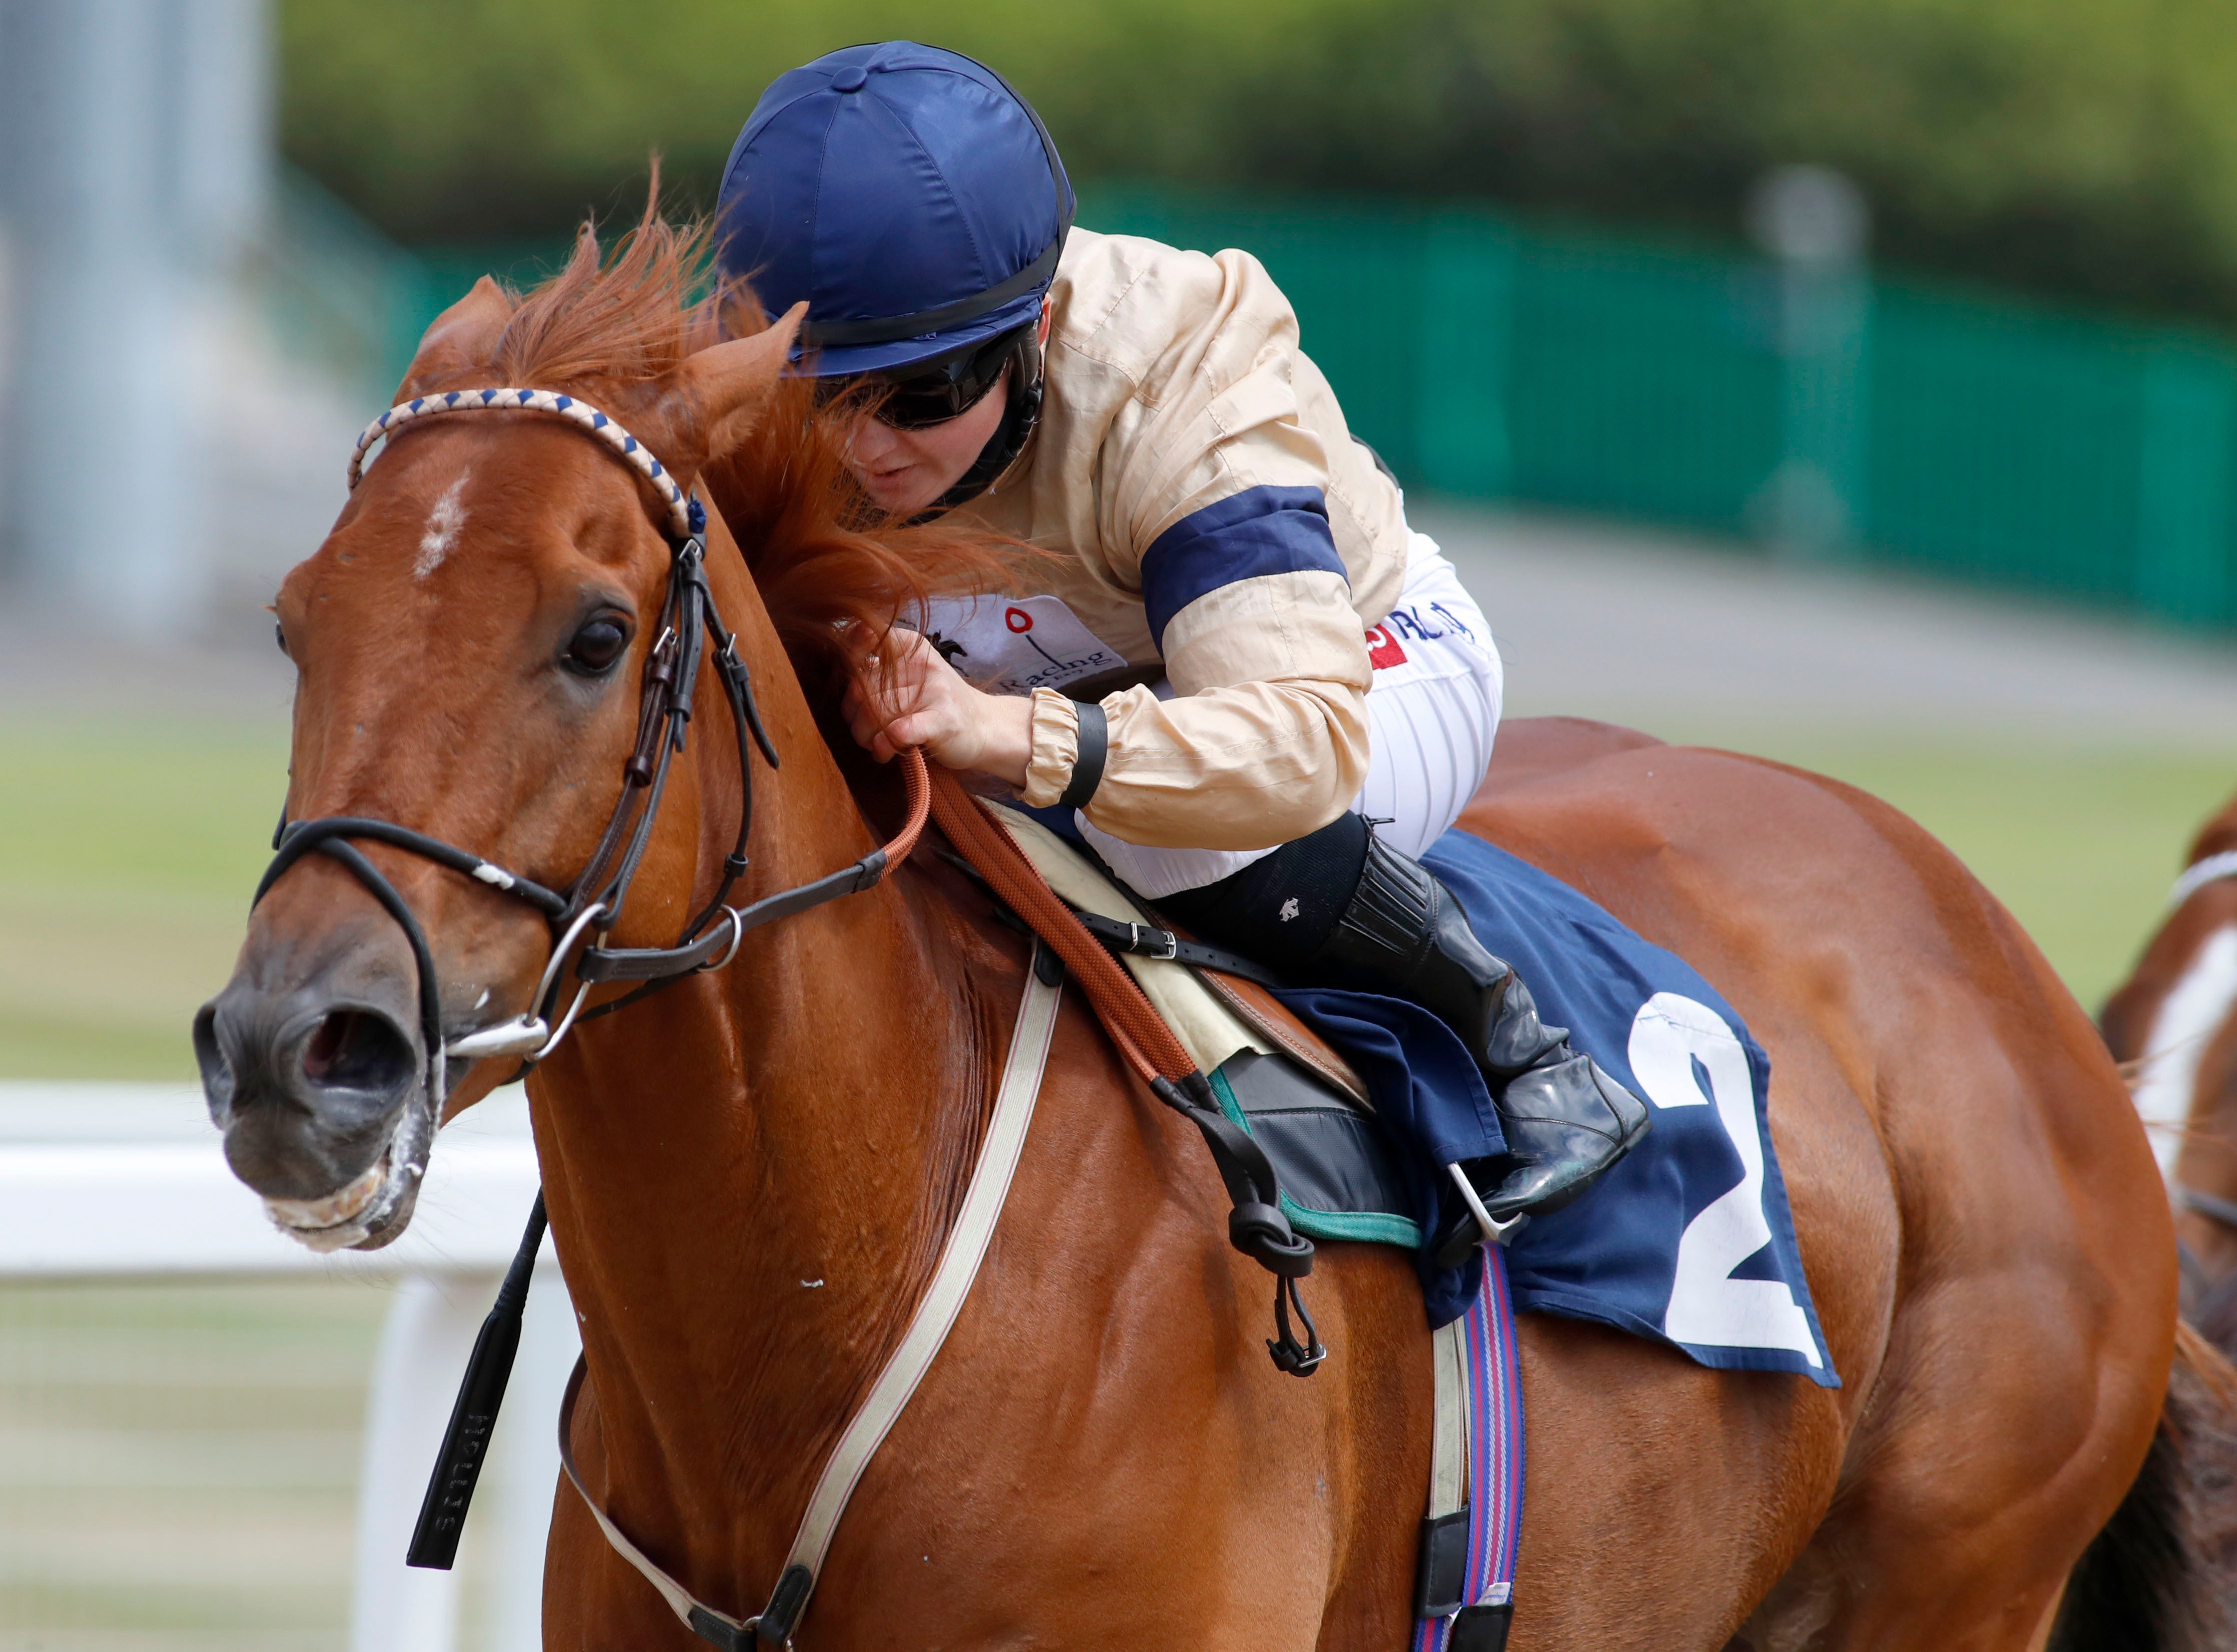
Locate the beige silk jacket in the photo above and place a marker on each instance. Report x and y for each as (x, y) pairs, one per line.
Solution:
(1213, 515)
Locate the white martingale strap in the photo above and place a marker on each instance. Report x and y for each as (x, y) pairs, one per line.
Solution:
(1449, 1436)
(2210, 870)
(935, 1316)
(536, 401)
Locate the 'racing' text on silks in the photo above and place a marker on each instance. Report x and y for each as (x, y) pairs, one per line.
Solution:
(1016, 644)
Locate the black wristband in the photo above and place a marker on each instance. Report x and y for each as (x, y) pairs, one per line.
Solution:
(1087, 768)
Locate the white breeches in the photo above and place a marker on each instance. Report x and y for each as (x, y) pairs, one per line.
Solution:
(1432, 710)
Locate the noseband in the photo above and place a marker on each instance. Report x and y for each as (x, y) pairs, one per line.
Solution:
(2210, 1206)
(593, 904)
(2213, 869)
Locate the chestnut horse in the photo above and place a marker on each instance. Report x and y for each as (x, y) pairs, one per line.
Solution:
(750, 1176)
(2173, 1024)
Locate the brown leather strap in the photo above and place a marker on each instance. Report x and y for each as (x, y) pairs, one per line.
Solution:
(1265, 1015)
(1255, 1225)
(1140, 1033)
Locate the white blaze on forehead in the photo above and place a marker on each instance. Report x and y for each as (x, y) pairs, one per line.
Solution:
(2189, 1017)
(443, 524)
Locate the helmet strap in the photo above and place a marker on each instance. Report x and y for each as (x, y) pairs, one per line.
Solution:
(1021, 415)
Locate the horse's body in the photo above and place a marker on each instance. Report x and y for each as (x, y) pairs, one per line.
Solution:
(749, 1176)
(2175, 1022)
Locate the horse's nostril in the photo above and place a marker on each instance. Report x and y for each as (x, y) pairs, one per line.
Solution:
(352, 1050)
(209, 1056)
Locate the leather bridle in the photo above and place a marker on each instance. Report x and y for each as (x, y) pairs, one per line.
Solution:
(593, 904)
(2213, 1207)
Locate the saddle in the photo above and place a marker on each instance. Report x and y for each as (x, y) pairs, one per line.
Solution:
(1310, 1114)
(1274, 1076)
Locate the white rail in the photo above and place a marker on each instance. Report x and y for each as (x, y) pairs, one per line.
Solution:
(128, 1181)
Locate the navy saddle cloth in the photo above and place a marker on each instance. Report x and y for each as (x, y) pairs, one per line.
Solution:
(1688, 1240)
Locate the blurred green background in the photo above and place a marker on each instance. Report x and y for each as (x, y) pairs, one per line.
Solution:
(2079, 147)
(1512, 232)
(125, 892)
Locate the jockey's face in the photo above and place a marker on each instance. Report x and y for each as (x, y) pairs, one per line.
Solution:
(903, 471)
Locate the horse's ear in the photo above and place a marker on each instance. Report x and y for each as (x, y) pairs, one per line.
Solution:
(728, 387)
(464, 336)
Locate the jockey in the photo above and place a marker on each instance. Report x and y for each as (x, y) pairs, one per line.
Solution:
(1246, 684)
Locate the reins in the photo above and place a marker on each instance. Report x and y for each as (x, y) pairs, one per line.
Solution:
(593, 902)
(588, 910)
(1256, 1225)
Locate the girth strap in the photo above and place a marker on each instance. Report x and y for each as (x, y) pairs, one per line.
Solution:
(935, 1316)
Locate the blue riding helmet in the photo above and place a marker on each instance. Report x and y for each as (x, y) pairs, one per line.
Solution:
(907, 194)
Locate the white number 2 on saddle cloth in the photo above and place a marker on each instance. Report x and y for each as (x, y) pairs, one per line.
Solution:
(1012, 645)
(1674, 1040)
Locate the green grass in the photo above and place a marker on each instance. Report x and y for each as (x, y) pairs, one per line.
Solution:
(178, 1463)
(125, 864)
(124, 886)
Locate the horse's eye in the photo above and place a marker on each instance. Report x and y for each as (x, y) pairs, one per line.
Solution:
(280, 633)
(596, 645)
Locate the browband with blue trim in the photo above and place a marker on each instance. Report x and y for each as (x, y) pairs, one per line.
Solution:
(681, 509)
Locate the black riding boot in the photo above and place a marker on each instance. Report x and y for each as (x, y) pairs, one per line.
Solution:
(1565, 1120)
(1399, 931)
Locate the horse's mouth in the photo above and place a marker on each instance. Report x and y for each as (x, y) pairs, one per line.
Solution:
(371, 1211)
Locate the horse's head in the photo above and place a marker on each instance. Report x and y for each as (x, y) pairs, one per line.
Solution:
(2173, 1026)
(471, 644)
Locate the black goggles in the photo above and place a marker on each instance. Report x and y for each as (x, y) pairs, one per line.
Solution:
(924, 394)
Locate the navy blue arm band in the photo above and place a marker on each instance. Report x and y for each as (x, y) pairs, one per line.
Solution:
(1087, 768)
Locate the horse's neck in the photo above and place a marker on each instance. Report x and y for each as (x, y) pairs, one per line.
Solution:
(753, 1171)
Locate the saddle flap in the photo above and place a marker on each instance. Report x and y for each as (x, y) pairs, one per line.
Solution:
(1272, 1020)
(1339, 1175)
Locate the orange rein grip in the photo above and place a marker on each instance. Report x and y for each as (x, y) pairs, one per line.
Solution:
(919, 785)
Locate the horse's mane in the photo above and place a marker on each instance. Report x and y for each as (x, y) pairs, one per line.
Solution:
(834, 573)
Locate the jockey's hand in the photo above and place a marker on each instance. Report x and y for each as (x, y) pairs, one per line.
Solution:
(925, 702)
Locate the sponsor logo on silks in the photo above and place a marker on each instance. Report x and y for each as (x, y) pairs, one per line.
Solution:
(1423, 621)
(1016, 644)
